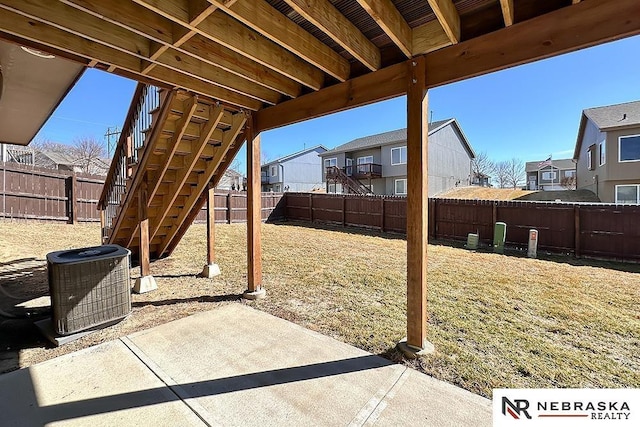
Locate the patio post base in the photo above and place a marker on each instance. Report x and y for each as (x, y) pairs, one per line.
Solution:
(210, 271)
(253, 295)
(414, 352)
(145, 284)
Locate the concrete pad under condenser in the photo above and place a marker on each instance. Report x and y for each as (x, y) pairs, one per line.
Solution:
(246, 367)
(105, 385)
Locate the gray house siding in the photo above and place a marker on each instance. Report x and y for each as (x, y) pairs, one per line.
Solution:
(449, 161)
(590, 179)
(299, 172)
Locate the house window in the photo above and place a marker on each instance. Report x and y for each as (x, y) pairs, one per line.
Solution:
(330, 162)
(628, 194)
(274, 171)
(591, 158)
(332, 188)
(629, 148)
(366, 160)
(549, 176)
(400, 186)
(570, 173)
(603, 154)
(399, 155)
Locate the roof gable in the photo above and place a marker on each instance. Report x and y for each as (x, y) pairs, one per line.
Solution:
(395, 136)
(288, 157)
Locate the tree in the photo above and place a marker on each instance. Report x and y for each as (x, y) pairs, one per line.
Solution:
(501, 173)
(515, 172)
(482, 164)
(86, 152)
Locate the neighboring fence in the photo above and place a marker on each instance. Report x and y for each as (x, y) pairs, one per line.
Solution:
(231, 207)
(28, 192)
(596, 230)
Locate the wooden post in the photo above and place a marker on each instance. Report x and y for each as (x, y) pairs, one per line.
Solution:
(102, 224)
(146, 282)
(73, 198)
(128, 151)
(577, 230)
(432, 218)
(211, 224)
(344, 210)
(254, 213)
(417, 209)
(494, 218)
(382, 214)
(229, 198)
(143, 219)
(310, 207)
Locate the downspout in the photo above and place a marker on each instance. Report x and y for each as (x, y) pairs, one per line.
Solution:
(281, 177)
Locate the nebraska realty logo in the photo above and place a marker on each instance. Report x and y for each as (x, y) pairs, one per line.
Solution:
(566, 407)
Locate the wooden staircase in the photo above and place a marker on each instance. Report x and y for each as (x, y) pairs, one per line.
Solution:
(350, 184)
(174, 146)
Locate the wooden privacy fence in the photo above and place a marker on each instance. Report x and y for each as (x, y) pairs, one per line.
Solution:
(595, 230)
(28, 192)
(231, 207)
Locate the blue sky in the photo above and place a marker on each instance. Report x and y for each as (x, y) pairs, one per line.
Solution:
(527, 112)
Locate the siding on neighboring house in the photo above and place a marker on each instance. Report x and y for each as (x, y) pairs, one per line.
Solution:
(299, 171)
(450, 157)
(603, 127)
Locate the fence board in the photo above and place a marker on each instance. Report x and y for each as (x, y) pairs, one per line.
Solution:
(603, 230)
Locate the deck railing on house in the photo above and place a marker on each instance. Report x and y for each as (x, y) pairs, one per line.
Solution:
(364, 170)
(334, 173)
(145, 101)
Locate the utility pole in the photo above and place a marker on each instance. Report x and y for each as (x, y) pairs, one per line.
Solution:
(112, 136)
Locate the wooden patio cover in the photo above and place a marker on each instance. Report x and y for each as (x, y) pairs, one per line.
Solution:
(286, 61)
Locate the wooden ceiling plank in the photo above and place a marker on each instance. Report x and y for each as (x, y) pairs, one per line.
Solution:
(392, 23)
(225, 30)
(429, 37)
(507, 11)
(567, 29)
(79, 23)
(266, 20)
(230, 135)
(327, 18)
(168, 33)
(448, 17)
(586, 24)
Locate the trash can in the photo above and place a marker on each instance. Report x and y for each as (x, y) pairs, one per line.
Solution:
(89, 287)
(499, 237)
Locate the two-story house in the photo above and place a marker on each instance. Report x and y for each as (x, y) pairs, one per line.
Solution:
(377, 164)
(608, 152)
(551, 175)
(295, 172)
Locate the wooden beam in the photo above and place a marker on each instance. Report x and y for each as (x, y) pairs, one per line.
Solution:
(507, 11)
(429, 37)
(230, 135)
(327, 18)
(211, 225)
(448, 17)
(266, 20)
(167, 33)
(392, 23)
(143, 224)
(33, 29)
(225, 30)
(377, 86)
(567, 29)
(254, 210)
(417, 204)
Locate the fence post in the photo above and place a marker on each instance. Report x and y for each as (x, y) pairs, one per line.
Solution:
(72, 198)
(577, 230)
(382, 214)
(228, 208)
(310, 207)
(344, 210)
(494, 218)
(432, 218)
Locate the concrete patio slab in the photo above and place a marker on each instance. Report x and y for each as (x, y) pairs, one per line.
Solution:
(105, 385)
(232, 366)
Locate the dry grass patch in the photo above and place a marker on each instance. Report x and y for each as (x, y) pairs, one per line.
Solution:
(496, 321)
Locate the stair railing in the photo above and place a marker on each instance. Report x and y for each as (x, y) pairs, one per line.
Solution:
(145, 100)
(335, 173)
